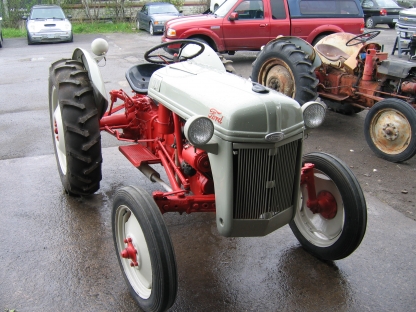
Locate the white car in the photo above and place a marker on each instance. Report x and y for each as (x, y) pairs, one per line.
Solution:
(48, 23)
(1, 32)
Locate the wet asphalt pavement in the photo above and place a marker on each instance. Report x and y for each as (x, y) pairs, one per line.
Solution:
(57, 252)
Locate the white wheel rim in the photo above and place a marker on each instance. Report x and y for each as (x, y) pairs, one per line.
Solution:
(140, 277)
(59, 127)
(315, 228)
(151, 29)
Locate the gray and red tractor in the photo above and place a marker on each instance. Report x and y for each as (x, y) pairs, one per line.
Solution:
(349, 74)
(214, 143)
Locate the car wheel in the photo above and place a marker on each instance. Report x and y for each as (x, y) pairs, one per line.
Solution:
(144, 249)
(390, 130)
(1, 40)
(369, 23)
(75, 127)
(151, 30)
(338, 228)
(29, 40)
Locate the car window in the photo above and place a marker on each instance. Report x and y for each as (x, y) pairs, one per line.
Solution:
(368, 4)
(278, 9)
(47, 13)
(324, 7)
(250, 9)
(387, 4)
(225, 8)
(144, 9)
(162, 9)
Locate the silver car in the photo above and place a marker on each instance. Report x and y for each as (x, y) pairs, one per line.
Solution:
(48, 23)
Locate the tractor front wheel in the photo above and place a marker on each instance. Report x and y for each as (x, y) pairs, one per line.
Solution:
(144, 249)
(75, 127)
(338, 229)
(284, 67)
(390, 130)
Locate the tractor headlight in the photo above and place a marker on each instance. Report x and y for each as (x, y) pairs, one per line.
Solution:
(199, 130)
(313, 114)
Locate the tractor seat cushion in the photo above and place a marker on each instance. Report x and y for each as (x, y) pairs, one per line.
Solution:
(330, 52)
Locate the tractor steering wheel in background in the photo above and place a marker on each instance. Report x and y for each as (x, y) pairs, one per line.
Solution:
(163, 57)
(363, 38)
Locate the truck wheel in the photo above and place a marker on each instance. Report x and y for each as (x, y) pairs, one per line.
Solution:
(144, 249)
(390, 130)
(284, 67)
(331, 237)
(75, 127)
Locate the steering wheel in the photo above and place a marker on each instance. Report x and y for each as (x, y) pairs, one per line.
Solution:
(168, 57)
(363, 38)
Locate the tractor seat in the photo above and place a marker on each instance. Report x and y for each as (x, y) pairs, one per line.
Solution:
(138, 76)
(330, 52)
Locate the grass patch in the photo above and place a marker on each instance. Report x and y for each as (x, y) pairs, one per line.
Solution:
(80, 28)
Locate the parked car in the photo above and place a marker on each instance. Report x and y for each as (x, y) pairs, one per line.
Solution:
(407, 20)
(406, 4)
(380, 12)
(249, 24)
(48, 23)
(215, 4)
(1, 32)
(153, 16)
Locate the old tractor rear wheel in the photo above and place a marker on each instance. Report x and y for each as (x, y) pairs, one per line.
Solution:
(144, 249)
(75, 127)
(284, 67)
(390, 130)
(335, 233)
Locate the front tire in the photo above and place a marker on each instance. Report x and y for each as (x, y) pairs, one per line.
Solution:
(390, 130)
(75, 127)
(138, 223)
(151, 30)
(284, 67)
(331, 237)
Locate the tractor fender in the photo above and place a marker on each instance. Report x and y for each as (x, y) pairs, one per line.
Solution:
(96, 79)
(305, 46)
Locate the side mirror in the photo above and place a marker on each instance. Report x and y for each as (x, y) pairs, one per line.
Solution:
(69, 16)
(24, 17)
(233, 16)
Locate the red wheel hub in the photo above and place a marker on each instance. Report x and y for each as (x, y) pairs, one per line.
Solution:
(327, 205)
(130, 252)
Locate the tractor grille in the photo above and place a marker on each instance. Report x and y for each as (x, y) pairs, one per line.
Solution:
(264, 181)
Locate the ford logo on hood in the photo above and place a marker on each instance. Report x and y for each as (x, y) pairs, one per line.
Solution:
(275, 136)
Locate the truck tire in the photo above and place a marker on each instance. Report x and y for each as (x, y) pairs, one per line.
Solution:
(144, 249)
(284, 67)
(390, 130)
(75, 127)
(337, 236)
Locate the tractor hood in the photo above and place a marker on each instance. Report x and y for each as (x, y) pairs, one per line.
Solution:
(239, 109)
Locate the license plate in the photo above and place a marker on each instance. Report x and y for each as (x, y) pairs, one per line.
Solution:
(395, 20)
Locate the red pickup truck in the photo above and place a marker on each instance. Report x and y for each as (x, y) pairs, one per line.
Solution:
(250, 24)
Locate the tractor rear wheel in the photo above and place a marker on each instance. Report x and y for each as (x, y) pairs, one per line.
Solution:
(75, 127)
(284, 67)
(390, 130)
(336, 231)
